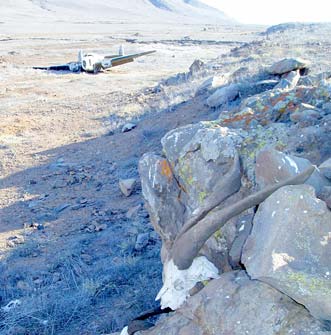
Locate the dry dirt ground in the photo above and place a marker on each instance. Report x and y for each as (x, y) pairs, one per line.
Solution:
(67, 241)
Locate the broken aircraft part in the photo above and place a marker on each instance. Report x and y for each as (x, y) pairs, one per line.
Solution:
(94, 63)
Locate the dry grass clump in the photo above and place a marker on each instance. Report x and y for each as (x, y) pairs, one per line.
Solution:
(71, 297)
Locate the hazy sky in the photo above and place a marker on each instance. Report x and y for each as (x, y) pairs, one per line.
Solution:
(276, 11)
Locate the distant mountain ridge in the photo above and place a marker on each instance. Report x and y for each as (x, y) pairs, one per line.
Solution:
(124, 10)
(188, 5)
(164, 4)
(159, 4)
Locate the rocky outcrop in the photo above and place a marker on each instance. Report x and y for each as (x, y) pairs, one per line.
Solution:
(277, 105)
(290, 247)
(234, 304)
(210, 173)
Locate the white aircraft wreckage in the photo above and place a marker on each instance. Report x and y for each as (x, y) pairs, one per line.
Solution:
(94, 63)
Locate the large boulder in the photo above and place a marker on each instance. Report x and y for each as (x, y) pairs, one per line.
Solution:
(312, 142)
(273, 166)
(197, 161)
(200, 156)
(290, 247)
(224, 95)
(236, 305)
(288, 65)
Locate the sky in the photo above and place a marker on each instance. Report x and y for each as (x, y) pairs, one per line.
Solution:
(276, 11)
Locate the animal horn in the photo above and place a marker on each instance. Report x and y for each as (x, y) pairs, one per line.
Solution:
(188, 245)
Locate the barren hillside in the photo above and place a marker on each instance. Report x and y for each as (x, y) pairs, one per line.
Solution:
(56, 12)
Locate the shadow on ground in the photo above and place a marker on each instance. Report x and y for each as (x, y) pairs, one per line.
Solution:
(77, 270)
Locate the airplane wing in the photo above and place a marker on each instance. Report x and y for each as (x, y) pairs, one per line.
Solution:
(72, 67)
(64, 67)
(119, 60)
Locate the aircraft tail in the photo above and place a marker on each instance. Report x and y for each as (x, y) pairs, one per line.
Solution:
(80, 56)
(121, 50)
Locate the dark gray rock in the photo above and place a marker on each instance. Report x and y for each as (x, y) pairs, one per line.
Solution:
(306, 118)
(223, 95)
(161, 193)
(141, 241)
(325, 168)
(198, 157)
(288, 65)
(289, 81)
(61, 208)
(290, 247)
(127, 186)
(34, 204)
(244, 227)
(196, 67)
(133, 212)
(128, 127)
(236, 305)
(273, 166)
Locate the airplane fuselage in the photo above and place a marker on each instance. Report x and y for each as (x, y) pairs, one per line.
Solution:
(93, 63)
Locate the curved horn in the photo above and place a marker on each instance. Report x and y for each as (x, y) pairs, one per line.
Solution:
(188, 245)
